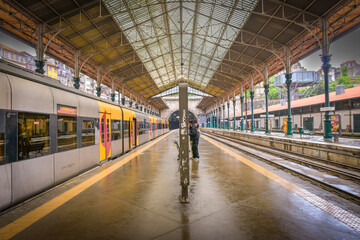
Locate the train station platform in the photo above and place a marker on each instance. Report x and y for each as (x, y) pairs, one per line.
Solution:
(345, 151)
(136, 196)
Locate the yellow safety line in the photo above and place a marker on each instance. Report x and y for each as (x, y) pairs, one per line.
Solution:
(340, 214)
(30, 218)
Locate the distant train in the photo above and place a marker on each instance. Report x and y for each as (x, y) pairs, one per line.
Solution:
(50, 133)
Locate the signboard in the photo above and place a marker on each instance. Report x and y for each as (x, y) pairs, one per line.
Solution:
(335, 124)
(66, 110)
(285, 125)
(264, 116)
(325, 109)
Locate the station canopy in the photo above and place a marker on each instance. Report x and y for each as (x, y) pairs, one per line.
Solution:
(178, 39)
(149, 46)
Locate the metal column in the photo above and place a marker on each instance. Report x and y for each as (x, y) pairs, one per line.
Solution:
(112, 89)
(98, 82)
(219, 125)
(266, 86)
(123, 95)
(242, 108)
(39, 62)
(288, 85)
(252, 105)
(184, 141)
(325, 58)
(76, 77)
(223, 126)
(246, 110)
(234, 102)
(216, 117)
(228, 120)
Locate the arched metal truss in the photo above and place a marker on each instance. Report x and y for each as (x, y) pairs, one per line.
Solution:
(216, 45)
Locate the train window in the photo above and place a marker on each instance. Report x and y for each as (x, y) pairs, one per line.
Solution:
(140, 127)
(126, 129)
(2, 148)
(108, 129)
(115, 129)
(88, 133)
(102, 131)
(33, 135)
(67, 136)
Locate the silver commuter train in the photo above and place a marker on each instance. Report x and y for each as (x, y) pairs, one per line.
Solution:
(50, 133)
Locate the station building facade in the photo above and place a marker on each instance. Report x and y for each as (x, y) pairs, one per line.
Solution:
(306, 112)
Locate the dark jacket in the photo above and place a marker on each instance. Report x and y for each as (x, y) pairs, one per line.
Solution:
(194, 133)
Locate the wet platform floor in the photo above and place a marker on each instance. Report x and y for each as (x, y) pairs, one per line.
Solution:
(140, 200)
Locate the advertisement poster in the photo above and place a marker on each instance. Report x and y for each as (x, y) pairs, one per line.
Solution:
(335, 124)
(285, 125)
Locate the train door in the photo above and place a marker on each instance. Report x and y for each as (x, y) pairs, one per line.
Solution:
(132, 133)
(156, 127)
(150, 129)
(105, 136)
(9, 151)
(136, 131)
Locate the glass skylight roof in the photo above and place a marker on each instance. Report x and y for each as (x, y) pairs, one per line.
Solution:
(162, 41)
(175, 90)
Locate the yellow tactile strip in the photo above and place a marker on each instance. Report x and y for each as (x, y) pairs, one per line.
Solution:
(35, 215)
(340, 214)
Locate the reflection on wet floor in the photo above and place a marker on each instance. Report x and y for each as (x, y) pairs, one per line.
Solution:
(228, 200)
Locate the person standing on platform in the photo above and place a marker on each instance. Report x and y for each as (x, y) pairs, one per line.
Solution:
(194, 140)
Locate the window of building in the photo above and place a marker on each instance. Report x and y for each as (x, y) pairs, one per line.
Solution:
(88, 133)
(308, 123)
(67, 136)
(50, 68)
(17, 57)
(342, 105)
(6, 54)
(12, 56)
(277, 124)
(355, 103)
(33, 135)
(115, 129)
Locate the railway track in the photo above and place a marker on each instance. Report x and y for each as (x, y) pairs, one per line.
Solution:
(344, 172)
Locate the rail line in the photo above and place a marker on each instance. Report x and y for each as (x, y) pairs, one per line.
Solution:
(345, 174)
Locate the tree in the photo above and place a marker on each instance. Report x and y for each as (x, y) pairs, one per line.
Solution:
(344, 71)
(273, 92)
